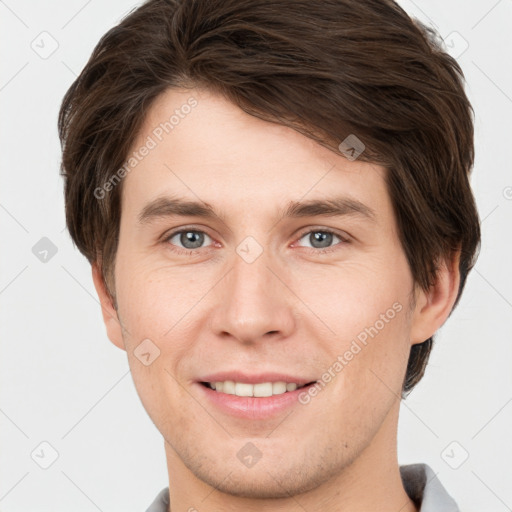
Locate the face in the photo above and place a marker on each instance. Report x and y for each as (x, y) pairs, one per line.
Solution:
(291, 271)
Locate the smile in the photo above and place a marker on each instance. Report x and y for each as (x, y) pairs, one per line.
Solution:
(262, 389)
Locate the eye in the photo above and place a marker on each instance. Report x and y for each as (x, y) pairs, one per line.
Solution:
(322, 239)
(187, 239)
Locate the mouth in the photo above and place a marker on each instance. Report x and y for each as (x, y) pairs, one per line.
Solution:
(258, 390)
(253, 396)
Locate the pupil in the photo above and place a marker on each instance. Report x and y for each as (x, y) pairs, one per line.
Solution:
(192, 239)
(320, 239)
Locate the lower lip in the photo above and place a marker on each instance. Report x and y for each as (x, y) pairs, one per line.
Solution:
(253, 408)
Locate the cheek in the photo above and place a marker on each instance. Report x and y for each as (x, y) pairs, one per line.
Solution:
(152, 301)
(354, 296)
(153, 308)
(364, 325)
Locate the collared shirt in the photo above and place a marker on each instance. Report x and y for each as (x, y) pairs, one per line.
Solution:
(420, 483)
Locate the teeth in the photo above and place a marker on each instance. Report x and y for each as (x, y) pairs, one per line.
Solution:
(242, 389)
(266, 389)
(258, 390)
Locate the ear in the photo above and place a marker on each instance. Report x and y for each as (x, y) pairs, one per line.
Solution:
(110, 318)
(434, 306)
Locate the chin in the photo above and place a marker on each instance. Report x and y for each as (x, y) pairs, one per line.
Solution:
(260, 484)
(274, 478)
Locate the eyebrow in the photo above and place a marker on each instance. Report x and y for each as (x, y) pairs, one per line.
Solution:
(338, 206)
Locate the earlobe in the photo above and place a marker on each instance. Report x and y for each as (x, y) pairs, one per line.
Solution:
(110, 317)
(434, 306)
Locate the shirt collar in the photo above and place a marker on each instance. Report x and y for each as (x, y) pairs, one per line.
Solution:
(425, 490)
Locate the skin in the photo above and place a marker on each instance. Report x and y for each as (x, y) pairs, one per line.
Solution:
(292, 310)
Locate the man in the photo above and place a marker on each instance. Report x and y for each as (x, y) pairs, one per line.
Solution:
(274, 198)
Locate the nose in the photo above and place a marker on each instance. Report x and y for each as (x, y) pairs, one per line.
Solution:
(254, 302)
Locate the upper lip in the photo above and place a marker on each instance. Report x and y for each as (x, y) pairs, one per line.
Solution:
(258, 378)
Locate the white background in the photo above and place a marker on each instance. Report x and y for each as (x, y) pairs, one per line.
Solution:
(63, 382)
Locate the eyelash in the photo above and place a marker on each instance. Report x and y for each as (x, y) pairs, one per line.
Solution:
(193, 252)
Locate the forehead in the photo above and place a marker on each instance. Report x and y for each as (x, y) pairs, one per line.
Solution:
(198, 145)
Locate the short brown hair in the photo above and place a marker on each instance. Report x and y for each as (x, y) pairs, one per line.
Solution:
(326, 69)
